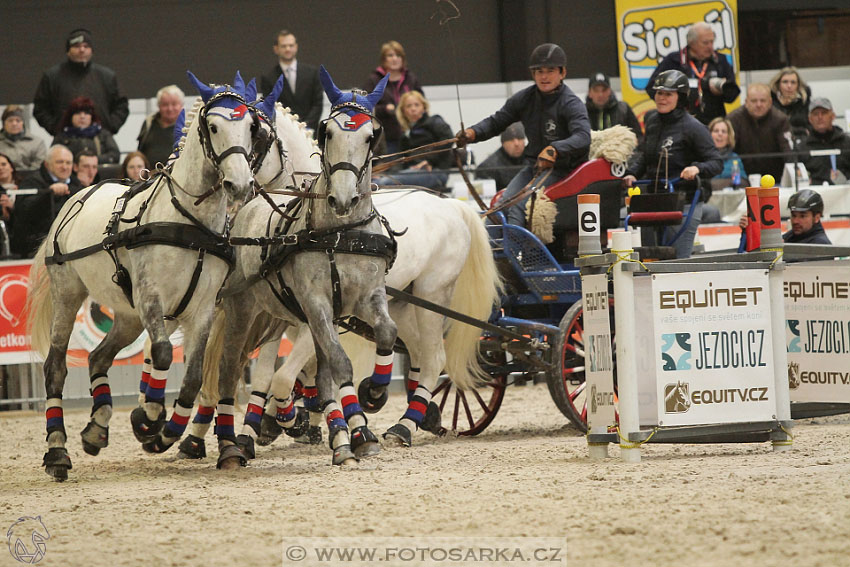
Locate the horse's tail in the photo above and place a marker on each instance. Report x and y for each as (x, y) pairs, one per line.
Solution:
(39, 306)
(212, 358)
(476, 293)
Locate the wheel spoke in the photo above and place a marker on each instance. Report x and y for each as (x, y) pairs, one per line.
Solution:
(574, 370)
(577, 392)
(446, 389)
(481, 401)
(466, 409)
(457, 407)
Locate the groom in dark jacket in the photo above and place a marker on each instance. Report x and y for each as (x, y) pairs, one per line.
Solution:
(305, 99)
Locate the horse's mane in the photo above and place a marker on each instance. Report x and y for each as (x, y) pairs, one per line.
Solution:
(287, 114)
(190, 118)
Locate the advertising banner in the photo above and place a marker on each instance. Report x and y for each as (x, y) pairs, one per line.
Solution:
(598, 359)
(712, 344)
(14, 340)
(817, 332)
(648, 30)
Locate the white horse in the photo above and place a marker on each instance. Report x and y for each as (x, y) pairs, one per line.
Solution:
(161, 265)
(443, 256)
(327, 264)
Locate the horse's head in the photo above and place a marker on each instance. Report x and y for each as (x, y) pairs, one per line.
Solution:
(227, 130)
(348, 138)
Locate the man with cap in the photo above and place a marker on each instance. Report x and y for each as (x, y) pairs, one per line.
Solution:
(24, 150)
(830, 169)
(710, 75)
(78, 76)
(604, 110)
(503, 164)
(555, 123)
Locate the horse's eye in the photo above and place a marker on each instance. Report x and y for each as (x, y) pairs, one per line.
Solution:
(213, 129)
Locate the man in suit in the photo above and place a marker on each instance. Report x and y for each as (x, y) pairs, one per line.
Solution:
(302, 91)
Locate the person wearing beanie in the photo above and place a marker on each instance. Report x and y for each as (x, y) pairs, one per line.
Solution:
(79, 76)
(503, 164)
(25, 151)
(604, 110)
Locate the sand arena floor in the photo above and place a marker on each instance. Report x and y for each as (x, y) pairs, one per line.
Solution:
(527, 475)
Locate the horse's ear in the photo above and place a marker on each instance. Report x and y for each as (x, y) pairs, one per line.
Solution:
(205, 91)
(375, 96)
(239, 83)
(328, 84)
(178, 127)
(251, 90)
(267, 105)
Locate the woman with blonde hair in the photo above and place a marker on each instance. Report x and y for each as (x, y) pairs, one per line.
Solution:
(791, 95)
(723, 136)
(421, 129)
(393, 62)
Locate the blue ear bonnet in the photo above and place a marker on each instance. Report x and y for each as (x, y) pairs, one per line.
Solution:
(236, 95)
(349, 101)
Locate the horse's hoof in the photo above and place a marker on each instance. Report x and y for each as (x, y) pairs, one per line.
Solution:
(364, 443)
(367, 402)
(159, 445)
(301, 425)
(95, 438)
(144, 429)
(432, 422)
(398, 435)
(269, 430)
(230, 457)
(313, 436)
(57, 463)
(246, 443)
(343, 456)
(192, 447)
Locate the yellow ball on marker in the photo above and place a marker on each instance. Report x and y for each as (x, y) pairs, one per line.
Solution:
(767, 181)
(634, 191)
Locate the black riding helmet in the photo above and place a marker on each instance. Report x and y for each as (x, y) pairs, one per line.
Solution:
(675, 82)
(547, 55)
(806, 200)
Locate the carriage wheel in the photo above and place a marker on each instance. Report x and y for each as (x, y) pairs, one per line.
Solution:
(566, 381)
(469, 412)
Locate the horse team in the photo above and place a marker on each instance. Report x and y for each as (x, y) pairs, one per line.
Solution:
(316, 249)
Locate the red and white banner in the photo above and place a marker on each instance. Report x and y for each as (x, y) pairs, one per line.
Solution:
(14, 340)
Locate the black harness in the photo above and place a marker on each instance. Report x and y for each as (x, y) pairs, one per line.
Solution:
(278, 245)
(193, 236)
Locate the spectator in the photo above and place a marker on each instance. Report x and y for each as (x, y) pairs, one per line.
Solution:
(555, 122)
(678, 145)
(156, 138)
(133, 165)
(723, 135)
(85, 168)
(8, 182)
(604, 110)
(78, 76)
(791, 95)
(760, 128)
(402, 80)
(25, 151)
(421, 129)
(710, 70)
(302, 91)
(56, 182)
(505, 162)
(832, 169)
(81, 129)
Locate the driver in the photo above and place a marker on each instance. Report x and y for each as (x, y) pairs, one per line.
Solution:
(675, 145)
(555, 122)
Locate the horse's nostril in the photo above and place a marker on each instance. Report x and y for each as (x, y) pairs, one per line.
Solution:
(331, 200)
(354, 201)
